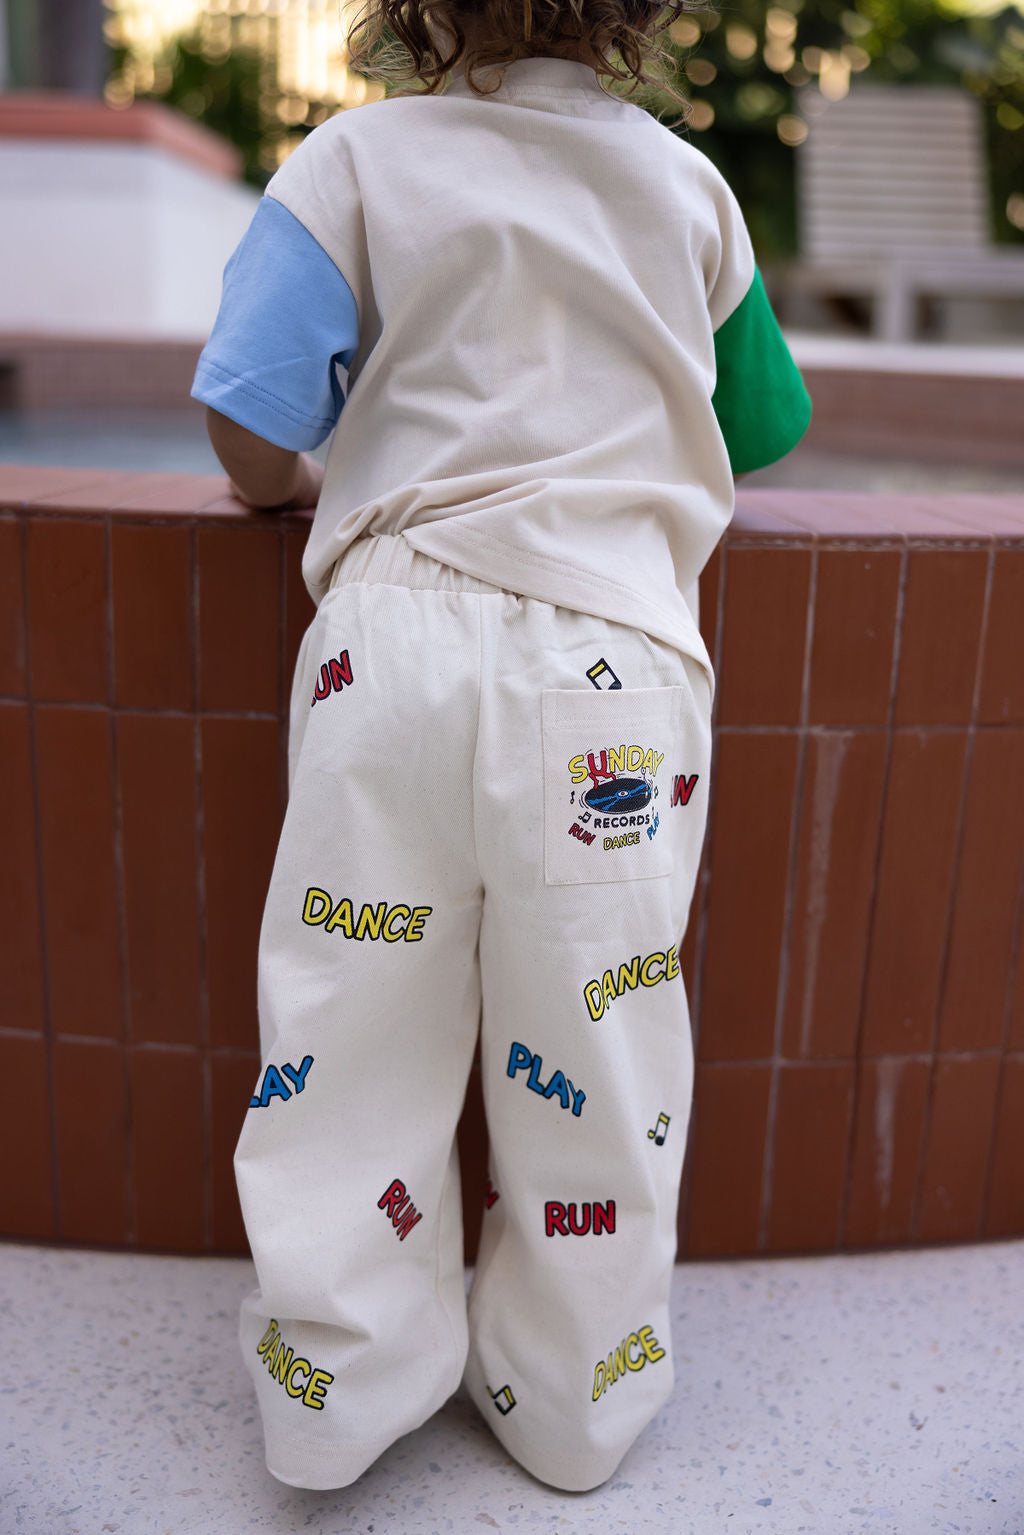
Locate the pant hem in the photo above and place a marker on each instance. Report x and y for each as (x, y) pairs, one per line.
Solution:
(578, 1473)
(320, 1466)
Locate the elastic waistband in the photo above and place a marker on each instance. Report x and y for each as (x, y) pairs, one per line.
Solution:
(388, 560)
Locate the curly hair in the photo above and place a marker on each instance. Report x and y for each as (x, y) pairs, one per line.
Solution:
(515, 29)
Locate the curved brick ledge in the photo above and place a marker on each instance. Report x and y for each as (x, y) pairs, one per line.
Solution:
(66, 115)
(853, 953)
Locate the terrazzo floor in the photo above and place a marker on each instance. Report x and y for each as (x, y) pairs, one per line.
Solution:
(827, 1395)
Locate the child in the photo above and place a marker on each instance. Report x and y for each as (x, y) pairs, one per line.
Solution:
(558, 352)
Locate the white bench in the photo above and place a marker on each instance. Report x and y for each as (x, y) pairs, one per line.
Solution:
(892, 202)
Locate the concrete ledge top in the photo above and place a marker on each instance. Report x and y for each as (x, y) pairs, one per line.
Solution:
(760, 514)
(812, 349)
(66, 115)
(872, 516)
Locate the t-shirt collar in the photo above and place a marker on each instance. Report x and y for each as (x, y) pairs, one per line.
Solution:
(540, 72)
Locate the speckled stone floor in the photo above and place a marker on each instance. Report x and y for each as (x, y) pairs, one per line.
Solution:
(815, 1396)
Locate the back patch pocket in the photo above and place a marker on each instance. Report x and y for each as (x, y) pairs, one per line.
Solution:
(608, 759)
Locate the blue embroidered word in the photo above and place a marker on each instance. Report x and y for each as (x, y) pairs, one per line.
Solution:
(518, 1060)
(274, 1087)
(653, 827)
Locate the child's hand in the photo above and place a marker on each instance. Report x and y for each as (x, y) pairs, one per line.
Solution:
(263, 475)
(309, 483)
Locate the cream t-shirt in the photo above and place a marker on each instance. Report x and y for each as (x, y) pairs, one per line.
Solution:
(555, 342)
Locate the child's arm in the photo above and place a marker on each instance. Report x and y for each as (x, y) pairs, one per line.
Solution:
(760, 398)
(262, 474)
(267, 375)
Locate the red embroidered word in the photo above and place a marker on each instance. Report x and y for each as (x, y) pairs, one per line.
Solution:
(597, 773)
(396, 1200)
(682, 788)
(333, 677)
(555, 1216)
(576, 830)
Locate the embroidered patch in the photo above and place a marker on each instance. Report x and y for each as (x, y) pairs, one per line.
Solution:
(592, 1217)
(274, 1085)
(334, 676)
(608, 1371)
(606, 780)
(395, 1202)
(621, 788)
(658, 1134)
(503, 1399)
(602, 676)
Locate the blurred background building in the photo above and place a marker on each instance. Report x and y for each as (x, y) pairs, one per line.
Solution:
(264, 72)
(136, 137)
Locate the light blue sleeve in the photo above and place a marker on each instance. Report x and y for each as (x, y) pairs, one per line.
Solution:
(286, 318)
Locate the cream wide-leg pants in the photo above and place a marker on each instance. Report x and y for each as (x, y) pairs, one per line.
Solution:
(494, 824)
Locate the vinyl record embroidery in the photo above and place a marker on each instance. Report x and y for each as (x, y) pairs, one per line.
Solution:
(617, 808)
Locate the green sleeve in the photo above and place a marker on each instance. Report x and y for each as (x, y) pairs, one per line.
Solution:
(760, 400)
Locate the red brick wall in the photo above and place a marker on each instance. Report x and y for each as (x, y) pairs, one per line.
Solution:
(852, 955)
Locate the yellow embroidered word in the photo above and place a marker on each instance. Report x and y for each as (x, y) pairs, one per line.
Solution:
(645, 973)
(615, 759)
(623, 841)
(285, 1369)
(607, 1371)
(373, 921)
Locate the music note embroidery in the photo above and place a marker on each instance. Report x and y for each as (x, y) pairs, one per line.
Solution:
(600, 670)
(657, 1135)
(503, 1399)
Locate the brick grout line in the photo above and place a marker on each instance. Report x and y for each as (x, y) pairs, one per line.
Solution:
(242, 1052)
(916, 1057)
(1005, 1054)
(958, 840)
(860, 1056)
(130, 1191)
(918, 1196)
(158, 1046)
(283, 688)
(789, 898)
(205, 1066)
(871, 544)
(937, 727)
(917, 1192)
(145, 711)
(1014, 956)
(702, 899)
(49, 1036)
(705, 883)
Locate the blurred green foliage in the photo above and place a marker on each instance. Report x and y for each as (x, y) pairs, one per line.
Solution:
(922, 41)
(226, 91)
(722, 57)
